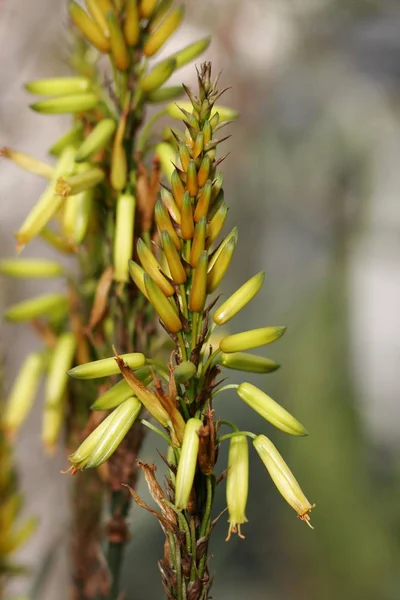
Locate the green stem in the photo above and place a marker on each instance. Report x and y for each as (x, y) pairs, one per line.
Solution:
(193, 549)
(156, 430)
(227, 436)
(230, 386)
(182, 345)
(195, 320)
(185, 310)
(229, 424)
(205, 522)
(114, 559)
(210, 360)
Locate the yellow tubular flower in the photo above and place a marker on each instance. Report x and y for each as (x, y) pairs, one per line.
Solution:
(237, 483)
(283, 478)
(187, 463)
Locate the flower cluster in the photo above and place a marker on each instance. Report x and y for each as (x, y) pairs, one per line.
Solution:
(177, 271)
(98, 196)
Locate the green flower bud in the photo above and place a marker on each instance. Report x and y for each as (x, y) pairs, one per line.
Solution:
(146, 8)
(73, 103)
(178, 189)
(106, 366)
(198, 242)
(153, 268)
(204, 170)
(216, 224)
(165, 93)
(238, 342)
(58, 86)
(240, 361)
(30, 268)
(239, 299)
(132, 23)
(48, 203)
(121, 391)
(99, 9)
(89, 28)
(76, 212)
(163, 307)
(198, 292)
(270, 410)
(123, 237)
(124, 417)
(220, 267)
(61, 360)
(105, 439)
(41, 306)
(137, 274)
(71, 138)
(52, 424)
(191, 179)
(96, 140)
(283, 477)
(184, 371)
(23, 393)
(157, 39)
(119, 165)
(158, 75)
(113, 397)
(187, 463)
(203, 202)
(79, 183)
(27, 162)
(237, 483)
(233, 235)
(163, 221)
(178, 273)
(191, 52)
(119, 49)
(166, 156)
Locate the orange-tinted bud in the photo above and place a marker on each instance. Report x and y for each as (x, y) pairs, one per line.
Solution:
(177, 271)
(203, 202)
(216, 224)
(191, 181)
(177, 188)
(163, 221)
(187, 225)
(184, 155)
(221, 266)
(204, 171)
(119, 48)
(207, 132)
(170, 204)
(198, 145)
(132, 23)
(198, 293)
(163, 307)
(137, 274)
(89, 28)
(198, 244)
(153, 268)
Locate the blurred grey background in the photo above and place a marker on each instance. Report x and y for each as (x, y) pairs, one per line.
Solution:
(313, 180)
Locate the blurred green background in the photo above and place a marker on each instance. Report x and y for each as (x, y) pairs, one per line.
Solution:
(313, 181)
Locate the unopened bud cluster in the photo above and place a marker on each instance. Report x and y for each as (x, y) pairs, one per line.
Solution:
(177, 273)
